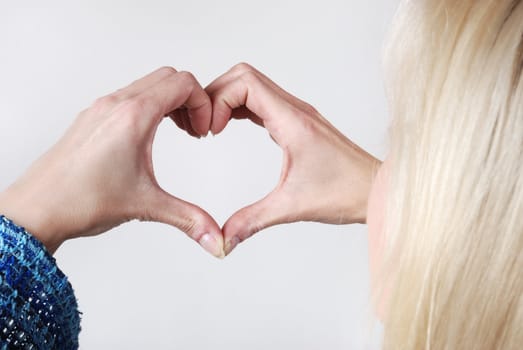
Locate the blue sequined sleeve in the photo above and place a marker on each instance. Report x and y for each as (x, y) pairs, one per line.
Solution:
(38, 308)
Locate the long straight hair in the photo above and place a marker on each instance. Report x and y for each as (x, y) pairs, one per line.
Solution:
(454, 218)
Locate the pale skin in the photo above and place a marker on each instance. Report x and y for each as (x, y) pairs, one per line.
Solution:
(100, 173)
(324, 178)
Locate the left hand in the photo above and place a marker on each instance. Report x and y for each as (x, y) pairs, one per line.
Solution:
(325, 177)
(100, 174)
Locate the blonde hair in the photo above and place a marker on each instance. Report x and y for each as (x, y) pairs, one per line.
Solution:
(454, 219)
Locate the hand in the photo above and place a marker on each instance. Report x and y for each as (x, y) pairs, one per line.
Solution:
(324, 178)
(100, 174)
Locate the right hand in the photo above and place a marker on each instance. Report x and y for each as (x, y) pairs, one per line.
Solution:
(100, 173)
(325, 177)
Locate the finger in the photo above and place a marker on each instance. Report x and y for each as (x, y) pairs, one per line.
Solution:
(186, 121)
(243, 68)
(191, 219)
(223, 80)
(218, 84)
(270, 211)
(180, 89)
(176, 117)
(237, 71)
(182, 120)
(244, 113)
(251, 91)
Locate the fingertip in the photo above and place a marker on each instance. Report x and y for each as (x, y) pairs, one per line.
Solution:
(213, 244)
(252, 219)
(200, 120)
(220, 118)
(231, 244)
(217, 130)
(177, 119)
(187, 126)
(235, 231)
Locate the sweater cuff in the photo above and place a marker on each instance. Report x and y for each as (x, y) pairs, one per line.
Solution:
(38, 308)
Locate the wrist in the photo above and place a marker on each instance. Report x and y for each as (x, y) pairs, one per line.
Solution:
(371, 168)
(25, 211)
(363, 169)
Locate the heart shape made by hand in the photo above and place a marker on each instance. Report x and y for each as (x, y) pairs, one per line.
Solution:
(100, 172)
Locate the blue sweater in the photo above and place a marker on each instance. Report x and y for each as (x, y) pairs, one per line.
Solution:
(38, 309)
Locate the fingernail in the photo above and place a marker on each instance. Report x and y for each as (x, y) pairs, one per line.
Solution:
(229, 246)
(211, 244)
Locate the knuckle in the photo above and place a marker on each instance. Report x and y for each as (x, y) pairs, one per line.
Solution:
(189, 225)
(308, 124)
(242, 67)
(298, 113)
(167, 70)
(253, 227)
(106, 102)
(186, 77)
(310, 109)
(250, 77)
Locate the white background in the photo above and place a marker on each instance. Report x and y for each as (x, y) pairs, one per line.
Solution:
(145, 285)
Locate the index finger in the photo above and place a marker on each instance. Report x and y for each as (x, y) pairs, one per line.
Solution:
(177, 90)
(243, 93)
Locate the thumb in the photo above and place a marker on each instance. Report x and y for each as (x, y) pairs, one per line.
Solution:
(271, 210)
(191, 219)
